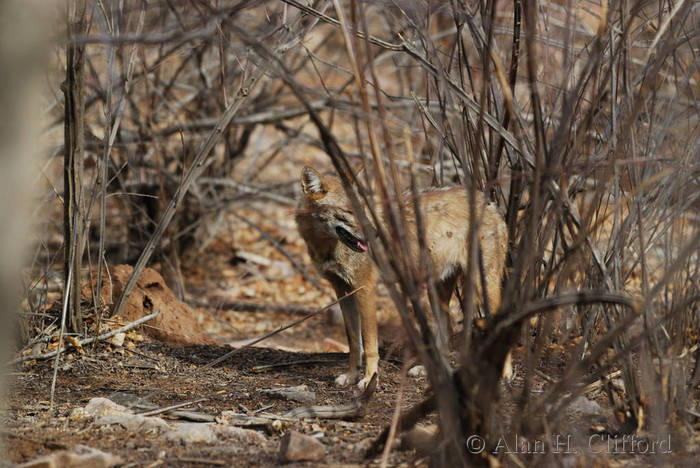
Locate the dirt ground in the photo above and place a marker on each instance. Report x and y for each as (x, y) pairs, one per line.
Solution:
(169, 376)
(309, 354)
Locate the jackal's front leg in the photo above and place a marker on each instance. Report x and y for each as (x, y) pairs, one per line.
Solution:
(367, 303)
(351, 318)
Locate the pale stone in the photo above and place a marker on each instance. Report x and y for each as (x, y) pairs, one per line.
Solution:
(295, 446)
(187, 433)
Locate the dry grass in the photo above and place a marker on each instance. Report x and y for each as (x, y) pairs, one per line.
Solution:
(579, 120)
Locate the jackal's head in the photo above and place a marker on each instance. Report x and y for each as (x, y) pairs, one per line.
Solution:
(326, 207)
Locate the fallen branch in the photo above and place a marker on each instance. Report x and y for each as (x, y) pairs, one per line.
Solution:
(190, 415)
(248, 306)
(102, 337)
(353, 410)
(347, 411)
(277, 365)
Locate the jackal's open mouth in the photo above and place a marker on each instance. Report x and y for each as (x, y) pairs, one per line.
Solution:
(356, 243)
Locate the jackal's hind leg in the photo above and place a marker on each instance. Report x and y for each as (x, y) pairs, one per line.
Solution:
(445, 288)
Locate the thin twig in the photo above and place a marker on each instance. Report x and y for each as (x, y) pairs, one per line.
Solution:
(165, 409)
(293, 363)
(247, 306)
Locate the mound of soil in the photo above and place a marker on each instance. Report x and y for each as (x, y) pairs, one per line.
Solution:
(177, 324)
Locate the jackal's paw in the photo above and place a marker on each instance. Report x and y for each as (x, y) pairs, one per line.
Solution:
(417, 371)
(349, 378)
(362, 384)
(508, 372)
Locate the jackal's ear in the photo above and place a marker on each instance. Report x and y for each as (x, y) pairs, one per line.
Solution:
(312, 183)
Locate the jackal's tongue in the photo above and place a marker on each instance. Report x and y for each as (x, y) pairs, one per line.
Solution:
(351, 240)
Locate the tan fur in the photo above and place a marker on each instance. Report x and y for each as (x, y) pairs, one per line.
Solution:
(324, 208)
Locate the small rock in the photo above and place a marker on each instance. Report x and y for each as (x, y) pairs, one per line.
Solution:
(133, 422)
(232, 418)
(420, 438)
(78, 414)
(280, 269)
(316, 428)
(106, 412)
(38, 348)
(118, 339)
(584, 406)
(192, 433)
(362, 446)
(99, 406)
(237, 434)
(417, 371)
(619, 384)
(299, 393)
(79, 457)
(277, 425)
(295, 446)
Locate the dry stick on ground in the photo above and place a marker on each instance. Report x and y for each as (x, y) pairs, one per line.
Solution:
(274, 332)
(165, 409)
(247, 306)
(192, 173)
(104, 336)
(354, 409)
(299, 362)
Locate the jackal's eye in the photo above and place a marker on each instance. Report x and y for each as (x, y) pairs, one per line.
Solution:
(342, 219)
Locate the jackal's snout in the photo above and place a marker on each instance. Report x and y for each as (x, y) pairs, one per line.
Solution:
(352, 240)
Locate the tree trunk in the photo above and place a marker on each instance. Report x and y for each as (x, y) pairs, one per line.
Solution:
(73, 209)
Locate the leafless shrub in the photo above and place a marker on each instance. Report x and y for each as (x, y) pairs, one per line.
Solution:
(580, 120)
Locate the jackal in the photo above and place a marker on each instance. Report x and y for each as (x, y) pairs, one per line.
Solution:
(340, 253)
